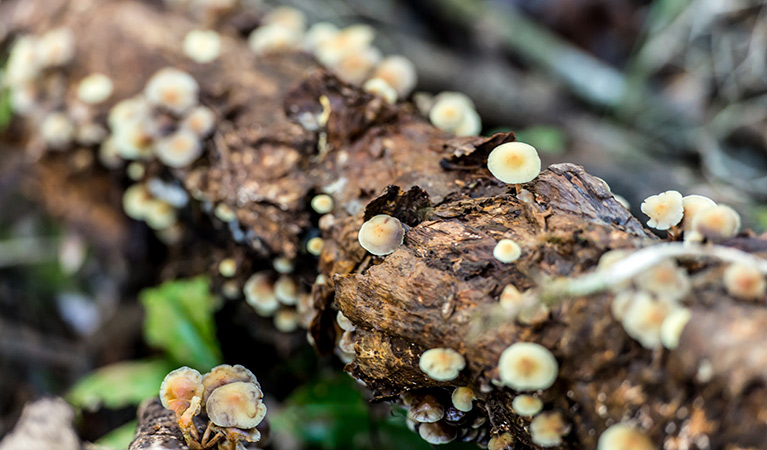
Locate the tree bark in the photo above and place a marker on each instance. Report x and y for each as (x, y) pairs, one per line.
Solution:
(270, 154)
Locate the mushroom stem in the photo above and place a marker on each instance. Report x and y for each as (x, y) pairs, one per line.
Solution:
(673, 233)
(518, 188)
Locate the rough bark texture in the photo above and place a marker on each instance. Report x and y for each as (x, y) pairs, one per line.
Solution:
(270, 155)
(44, 424)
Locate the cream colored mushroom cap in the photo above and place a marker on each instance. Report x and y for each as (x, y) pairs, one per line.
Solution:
(547, 429)
(745, 282)
(643, 319)
(717, 222)
(202, 46)
(399, 73)
(441, 364)
(527, 405)
(426, 409)
(463, 398)
(672, 327)
(322, 203)
(448, 113)
(236, 405)
(527, 366)
(172, 89)
(514, 162)
(665, 209)
(437, 433)
(179, 149)
(623, 437)
(507, 251)
(381, 88)
(692, 205)
(224, 374)
(381, 235)
(179, 387)
(259, 293)
(95, 88)
(200, 120)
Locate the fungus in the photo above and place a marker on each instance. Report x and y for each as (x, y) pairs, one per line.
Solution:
(643, 318)
(527, 366)
(286, 290)
(356, 67)
(744, 282)
(344, 322)
(108, 155)
(136, 201)
(305, 309)
(665, 279)
(237, 404)
(282, 264)
(286, 320)
(547, 429)
(425, 409)
(511, 298)
(437, 433)
(527, 405)
(693, 204)
(621, 303)
(514, 163)
(227, 267)
(23, 99)
(287, 17)
(179, 149)
(717, 223)
(172, 89)
(441, 364)
(160, 215)
(273, 38)
(399, 73)
(57, 130)
(471, 124)
(346, 342)
(56, 47)
(322, 203)
(225, 374)
(352, 39)
(503, 441)
(23, 64)
(132, 140)
(448, 111)
(381, 235)
(379, 87)
(672, 327)
(463, 398)
(623, 437)
(314, 245)
(179, 387)
(135, 171)
(230, 289)
(507, 251)
(127, 111)
(622, 201)
(320, 33)
(90, 134)
(259, 293)
(200, 120)
(202, 46)
(665, 210)
(95, 88)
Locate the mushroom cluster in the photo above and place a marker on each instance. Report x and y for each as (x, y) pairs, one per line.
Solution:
(155, 202)
(281, 297)
(454, 112)
(230, 397)
(441, 416)
(698, 217)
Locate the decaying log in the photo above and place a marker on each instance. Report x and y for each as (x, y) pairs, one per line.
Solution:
(271, 154)
(44, 424)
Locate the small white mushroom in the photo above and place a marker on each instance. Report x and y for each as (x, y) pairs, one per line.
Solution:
(322, 203)
(437, 433)
(623, 437)
(547, 429)
(224, 213)
(314, 245)
(202, 46)
(381, 235)
(463, 398)
(172, 89)
(227, 267)
(282, 264)
(527, 405)
(507, 251)
(259, 293)
(665, 210)
(442, 364)
(134, 109)
(56, 47)
(136, 201)
(527, 366)
(672, 327)
(287, 17)
(57, 130)
(692, 205)
(346, 342)
(200, 120)
(381, 88)
(90, 133)
(160, 215)
(179, 387)
(95, 88)
(744, 282)
(274, 38)
(451, 111)
(717, 223)
(132, 140)
(664, 279)
(320, 33)
(352, 39)
(179, 149)
(356, 67)
(643, 318)
(503, 441)
(399, 73)
(425, 409)
(286, 320)
(344, 322)
(23, 65)
(286, 290)
(237, 404)
(514, 162)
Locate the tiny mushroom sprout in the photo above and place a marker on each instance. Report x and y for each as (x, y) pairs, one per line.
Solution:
(547, 429)
(322, 203)
(441, 364)
(623, 437)
(527, 405)
(95, 88)
(399, 73)
(665, 210)
(454, 112)
(463, 398)
(514, 163)
(179, 149)
(717, 223)
(437, 433)
(425, 409)
(693, 204)
(314, 245)
(381, 235)
(744, 282)
(527, 366)
(172, 89)
(380, 87)
(507, 251)
(202, 46)
(672, 327)
(227, 267)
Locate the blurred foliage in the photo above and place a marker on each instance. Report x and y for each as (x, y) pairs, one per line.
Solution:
(5, 108)
(179, 320)
(548, 139)
(121, 384)
(120, 437)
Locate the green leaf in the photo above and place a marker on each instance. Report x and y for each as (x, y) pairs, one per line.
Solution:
(121, 384)
(545, 138)
(5, 108)
(119, 438)
(179, 319)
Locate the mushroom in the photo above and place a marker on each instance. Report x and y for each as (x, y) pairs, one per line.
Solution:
(90, 133)
(320, 33)
(274, 38)
(503, 441)
(425, 409)
(441, 364)
(547, 429)
(259, 293)
(643, 318)
(57, 130)
(134, 109)
(356, 67)
(352, 39)
(527, 405)
(453, 111)
(346, 342)
(23, 65)
(399, 73)
(179, 388)
(287, 17)
(95, 88)
(224, 213)
(692, 205)
(664, 279)
(507, 251)
(172, 89)
(224, 374)
(286, 290)
(314, 245)
(136, 201)
(744, 282)
(381, 88)
(527, 366)
(344, 323)
(282, 264)
(286, 320)
(56, 47)
(665, 210)
(322, 203)
(200, 120)
(717, 223)
(238, 404)
(672, 327)
(381, 235)
(463, 397)
(514, 163)
(133, 140)
(437, 433)
(202, 46)
(160, 215)
(227, 267)
(623, 437)
(179, 149)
